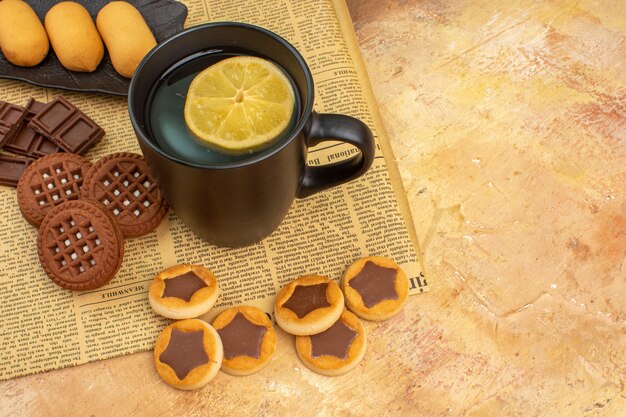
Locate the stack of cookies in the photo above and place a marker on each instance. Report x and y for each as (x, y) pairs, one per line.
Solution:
(331, 340)
(189, 352)
(84, 211)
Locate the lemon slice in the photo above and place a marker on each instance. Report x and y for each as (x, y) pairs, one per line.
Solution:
(239, 104)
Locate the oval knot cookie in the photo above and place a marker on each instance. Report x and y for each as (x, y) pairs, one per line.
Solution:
(80, 245)
(308, 305)
(183, 291)
(123, 183)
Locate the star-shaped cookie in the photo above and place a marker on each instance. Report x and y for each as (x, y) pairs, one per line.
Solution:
(375, 283)
(335, 341)
(306, 298)
(184, 352)
(183, 286)
(241, 337)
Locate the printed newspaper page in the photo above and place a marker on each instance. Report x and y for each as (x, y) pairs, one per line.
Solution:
(44, 327)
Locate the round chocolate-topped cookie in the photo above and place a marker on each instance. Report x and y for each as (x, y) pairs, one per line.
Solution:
(48, 182)
(248, 337)
(336, 350)
(80, 245)
(183, 291)
(188, 354)
(308, 305)
(375, 288)
(123, 183)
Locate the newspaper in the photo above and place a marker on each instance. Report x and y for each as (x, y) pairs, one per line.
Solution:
(44, 327)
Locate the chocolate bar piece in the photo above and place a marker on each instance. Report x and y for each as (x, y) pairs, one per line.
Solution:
(26, 141)
(11, 117)
(4, 131)
(11, 169)
(68, 127)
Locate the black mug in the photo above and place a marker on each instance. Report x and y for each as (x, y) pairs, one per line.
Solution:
(241, 203)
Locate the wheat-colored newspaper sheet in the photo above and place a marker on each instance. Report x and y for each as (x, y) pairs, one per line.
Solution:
(44, 327)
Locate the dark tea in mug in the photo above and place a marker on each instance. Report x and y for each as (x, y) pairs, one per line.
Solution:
(236, 200)
(166, 104)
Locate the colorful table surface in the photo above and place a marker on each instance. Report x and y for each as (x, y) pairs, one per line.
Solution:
(508, 122)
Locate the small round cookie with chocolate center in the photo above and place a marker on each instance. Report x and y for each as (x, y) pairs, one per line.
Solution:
(308, 305)
(336, 350)
(248, 337)
(188, 354)
(375, 288)
(183, 292)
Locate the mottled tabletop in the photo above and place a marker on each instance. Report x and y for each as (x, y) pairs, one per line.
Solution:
(508, 122)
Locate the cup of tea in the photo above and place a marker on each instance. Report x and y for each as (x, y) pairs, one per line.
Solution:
(235, 198)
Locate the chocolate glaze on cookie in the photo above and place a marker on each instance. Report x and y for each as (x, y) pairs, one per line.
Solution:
(183, 286)
(241, 337)
(336, 350)
(375, 283)
(335, 341)
(183, 291)
(306, 298)
(185, 352)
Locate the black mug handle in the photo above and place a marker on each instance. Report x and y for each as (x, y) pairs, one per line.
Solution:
(323, 127)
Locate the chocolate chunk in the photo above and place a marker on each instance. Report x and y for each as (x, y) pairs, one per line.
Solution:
(26, 141)
(185, 352)
(11, 116)
(375, 283)
(11, 168)
(335, 341)
(241, 337)
(4, 132)
(66, 126)
(306, 298)
(183, 286)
